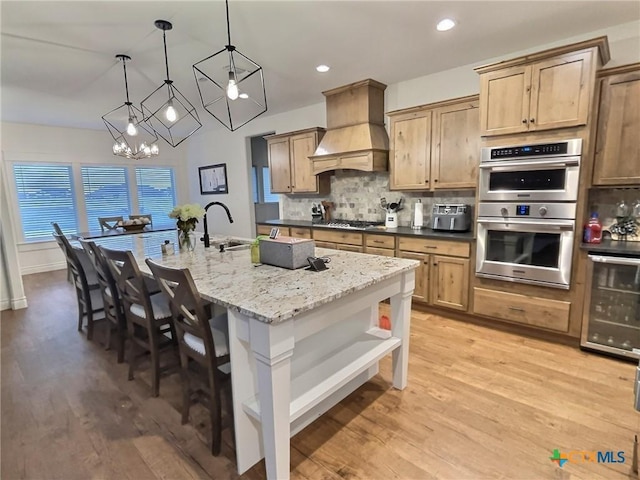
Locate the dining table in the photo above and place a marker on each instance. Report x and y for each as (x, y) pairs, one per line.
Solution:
(300, 340)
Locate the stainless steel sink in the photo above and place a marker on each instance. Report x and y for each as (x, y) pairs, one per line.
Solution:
(231, 245)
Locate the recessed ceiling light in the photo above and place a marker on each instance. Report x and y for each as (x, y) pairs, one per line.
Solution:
(243, 95)
(445, 24)
(323, 68)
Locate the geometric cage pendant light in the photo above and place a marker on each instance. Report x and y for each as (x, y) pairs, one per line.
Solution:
(133, 139)
(231, 85)
(166, 110)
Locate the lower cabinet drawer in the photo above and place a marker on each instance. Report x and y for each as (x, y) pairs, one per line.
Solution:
(337, 236)
(380, 241)
(535, 311)
(266, 230)
(439, 247)
(381, 251)
(300, 232)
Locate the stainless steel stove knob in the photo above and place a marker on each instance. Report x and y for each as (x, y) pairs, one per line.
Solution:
(542, 211)
(504, 211)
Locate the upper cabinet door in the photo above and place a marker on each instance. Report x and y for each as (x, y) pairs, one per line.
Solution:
(560, 91)
(617, 159)
(279, 165)
(410, 151)
(504, 100)
(301, 147)
(456, 146)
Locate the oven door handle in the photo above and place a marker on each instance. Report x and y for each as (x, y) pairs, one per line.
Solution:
(615, 260)
(554, 224)
(537, 164)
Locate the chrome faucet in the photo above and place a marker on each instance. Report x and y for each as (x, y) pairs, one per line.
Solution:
(205, 238)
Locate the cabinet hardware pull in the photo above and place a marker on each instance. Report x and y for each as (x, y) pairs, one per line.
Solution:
(435, 179)
(430, 246)
(524, 120)
(378, 241)
(435, 264)
(516, 309)
(532, 120)
(426, 181)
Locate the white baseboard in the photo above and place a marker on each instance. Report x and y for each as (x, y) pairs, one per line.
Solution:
(47, 267)
(13, 303)
(18, 303)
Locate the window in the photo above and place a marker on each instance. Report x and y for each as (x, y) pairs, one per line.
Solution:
(262, 186)
(45, 195)
(106, 193)
(266, 187)
(156, 193)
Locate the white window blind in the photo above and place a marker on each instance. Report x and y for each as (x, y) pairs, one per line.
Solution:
(45, 195)
(106, 193)
(266, 185)
(156, 194)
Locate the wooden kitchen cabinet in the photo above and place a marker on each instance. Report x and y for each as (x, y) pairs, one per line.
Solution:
(617, 156)
(542, 91)
(289, 165)
(444, 271)
(435, 146)
(421, 290)
(449, 283)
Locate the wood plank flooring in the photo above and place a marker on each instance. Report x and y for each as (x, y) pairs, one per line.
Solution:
(480, 404)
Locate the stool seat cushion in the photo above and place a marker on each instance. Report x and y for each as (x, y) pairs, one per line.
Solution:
(219, 330)
(159, 304)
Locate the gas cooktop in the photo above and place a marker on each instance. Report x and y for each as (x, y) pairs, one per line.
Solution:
(349, 224)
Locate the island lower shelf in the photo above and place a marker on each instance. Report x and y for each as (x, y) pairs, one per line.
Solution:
(332, 375)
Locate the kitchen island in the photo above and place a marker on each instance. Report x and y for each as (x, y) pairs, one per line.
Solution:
(300, 341)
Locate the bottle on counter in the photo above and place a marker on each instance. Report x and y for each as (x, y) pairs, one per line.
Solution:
(593, 229)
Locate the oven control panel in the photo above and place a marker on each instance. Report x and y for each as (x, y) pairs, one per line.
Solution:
(565, 148)
(544, 149)
(528, 210)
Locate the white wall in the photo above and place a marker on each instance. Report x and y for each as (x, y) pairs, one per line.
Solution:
(232, 148)
(22, 142)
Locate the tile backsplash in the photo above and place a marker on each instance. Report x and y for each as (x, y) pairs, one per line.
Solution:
(357, 195)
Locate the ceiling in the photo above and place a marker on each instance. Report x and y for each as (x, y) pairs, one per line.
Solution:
(59, 68)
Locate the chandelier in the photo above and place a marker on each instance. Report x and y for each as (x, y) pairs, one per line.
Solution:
(231, 85)
(132, 138)
(166, 110)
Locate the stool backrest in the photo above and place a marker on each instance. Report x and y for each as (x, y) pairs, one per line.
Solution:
(109, 223)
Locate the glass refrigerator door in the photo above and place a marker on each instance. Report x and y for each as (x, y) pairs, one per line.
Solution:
(612, 316)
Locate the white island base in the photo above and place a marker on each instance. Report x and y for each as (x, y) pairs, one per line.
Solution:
(286, 374)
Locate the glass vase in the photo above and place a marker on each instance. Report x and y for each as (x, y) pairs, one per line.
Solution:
(187, 241)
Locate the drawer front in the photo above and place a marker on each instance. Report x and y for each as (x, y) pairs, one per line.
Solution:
(263, 229)
(441, 247)
(300, 232)
(266, 230)
(351, 248)
(338, 237)
(380, 241)
(535, 311)
(387, 252)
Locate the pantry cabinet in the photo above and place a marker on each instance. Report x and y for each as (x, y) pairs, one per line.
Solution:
(289, 165)
(543, 91)
(617, 156)
(435, 146)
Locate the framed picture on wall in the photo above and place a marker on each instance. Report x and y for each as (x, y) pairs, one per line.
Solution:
(213, 179)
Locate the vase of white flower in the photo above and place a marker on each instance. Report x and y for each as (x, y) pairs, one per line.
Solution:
(187, 216)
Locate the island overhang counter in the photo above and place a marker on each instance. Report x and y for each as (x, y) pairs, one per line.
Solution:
(300, 341)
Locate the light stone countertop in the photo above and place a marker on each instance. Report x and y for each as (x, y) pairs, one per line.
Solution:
(273, 294)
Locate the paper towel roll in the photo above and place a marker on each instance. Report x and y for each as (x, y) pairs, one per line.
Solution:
(417, 214)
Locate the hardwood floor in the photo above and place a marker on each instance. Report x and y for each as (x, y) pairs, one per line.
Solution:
(480, 404)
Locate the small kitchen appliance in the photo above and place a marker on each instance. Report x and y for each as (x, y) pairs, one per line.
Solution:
(452, 217)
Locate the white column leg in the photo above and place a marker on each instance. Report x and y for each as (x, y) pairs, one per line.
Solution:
(272, 346)
(400, 327)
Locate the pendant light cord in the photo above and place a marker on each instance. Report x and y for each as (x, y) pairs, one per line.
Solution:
(126, 84)
(166, 58)
(228, 24)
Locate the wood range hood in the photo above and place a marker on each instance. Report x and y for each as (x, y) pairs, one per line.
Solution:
(355, 138)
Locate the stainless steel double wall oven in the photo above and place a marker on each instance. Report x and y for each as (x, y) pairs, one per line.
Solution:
(526, 214)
